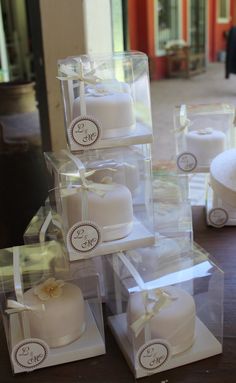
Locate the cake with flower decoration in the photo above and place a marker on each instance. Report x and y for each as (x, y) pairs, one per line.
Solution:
(61, 319)
(112, 107)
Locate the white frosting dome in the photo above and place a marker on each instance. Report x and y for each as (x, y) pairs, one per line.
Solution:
(62, 321)
(205, 144)
(113, 212)
(174, 322)
(113, 111)
(223, 176)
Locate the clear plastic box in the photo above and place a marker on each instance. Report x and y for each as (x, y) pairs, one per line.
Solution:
(202, 132)
(166, 306)
(106, 100)
(172, 207)
(41, 228)
(102, 200)
(50, 316)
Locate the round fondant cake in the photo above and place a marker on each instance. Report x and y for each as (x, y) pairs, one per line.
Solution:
(112, 212)
(223, 176)
(174, 322)
(205, 144)
(120, 172)
(113, 111)
(62, 320)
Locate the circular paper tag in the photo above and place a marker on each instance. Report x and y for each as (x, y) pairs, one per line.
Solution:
(84, 236)
(218, 217)
(186, 162)
(84, 131)
(30, 353)
(154, 354)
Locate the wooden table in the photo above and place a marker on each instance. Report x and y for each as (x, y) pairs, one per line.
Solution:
(112, 367)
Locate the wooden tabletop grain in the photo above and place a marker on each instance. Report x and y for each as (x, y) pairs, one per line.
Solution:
(112, 367)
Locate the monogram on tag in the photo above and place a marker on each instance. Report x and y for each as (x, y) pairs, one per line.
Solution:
(153, 354)
(84, 131)
(186, 162)
(84, 236)
(218, 217)
(30, 353)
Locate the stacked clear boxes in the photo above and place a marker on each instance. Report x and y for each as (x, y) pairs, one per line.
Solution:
(166, 308)
(51, 315)
(106, 100)
(111, 191)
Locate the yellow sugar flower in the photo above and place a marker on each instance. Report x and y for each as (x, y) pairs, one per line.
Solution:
(51, 288)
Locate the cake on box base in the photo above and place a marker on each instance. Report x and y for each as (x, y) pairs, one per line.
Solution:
(204, 346)
(90, 344)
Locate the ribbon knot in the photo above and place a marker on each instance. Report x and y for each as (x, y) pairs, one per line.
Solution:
(17, 307)
(154, 301)
(70, 74)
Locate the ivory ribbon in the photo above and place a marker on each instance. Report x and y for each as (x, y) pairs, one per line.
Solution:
(154, 300)
(44, 227)
(17, 307)
(153, 304)
(70, 74)
(85, 186)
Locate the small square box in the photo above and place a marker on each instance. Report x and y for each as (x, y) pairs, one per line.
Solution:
(102, 200)
(50, 316)
(166, 308)
(106, 100)
(202, 132)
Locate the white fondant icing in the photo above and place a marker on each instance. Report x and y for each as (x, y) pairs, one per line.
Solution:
(114, 113)
(120, 173)
(223, 176)
(205, 144)
(113, 212)
(174, 322)
(63, 319)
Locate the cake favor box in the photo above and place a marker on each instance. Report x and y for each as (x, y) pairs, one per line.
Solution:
(50, 315)
(102, 199)
(201, 133)
(106, 100)
(166, 307)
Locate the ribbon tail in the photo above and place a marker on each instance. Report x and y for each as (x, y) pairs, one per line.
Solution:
(139, 324)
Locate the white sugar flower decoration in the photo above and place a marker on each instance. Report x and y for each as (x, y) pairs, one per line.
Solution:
(51, 288)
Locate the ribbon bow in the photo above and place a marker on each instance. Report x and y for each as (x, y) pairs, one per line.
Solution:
(70, 74)
(153, 304)
(17, 307)
(99, 188)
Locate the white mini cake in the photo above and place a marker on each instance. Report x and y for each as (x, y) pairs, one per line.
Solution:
(174, 322)
(120, 173)
(112, 212)
(223, 176)
(113, 111)
(63, 320)
(205, 144)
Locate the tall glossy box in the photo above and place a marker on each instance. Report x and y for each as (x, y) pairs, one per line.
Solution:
(51, 314)
(166, 310)
(106, 100)
(102, 199)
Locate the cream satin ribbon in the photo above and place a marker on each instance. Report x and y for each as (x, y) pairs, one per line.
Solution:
(17, 307)
(70, 74)
(154, 301)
